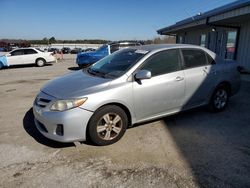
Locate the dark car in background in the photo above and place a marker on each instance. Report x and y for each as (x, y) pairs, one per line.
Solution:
(66, 50)
(86, 59)
(76, 50)
(88, 50)
(54, 50)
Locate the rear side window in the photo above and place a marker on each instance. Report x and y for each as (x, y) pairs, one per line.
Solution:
(163, 62)
(29, 51)
(194, 58)
(114, 48)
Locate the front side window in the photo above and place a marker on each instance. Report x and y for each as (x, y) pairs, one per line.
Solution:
(203, 40)
(17, 52)
(116, 64)
(163, 62)
(194, 58)
(231, 44)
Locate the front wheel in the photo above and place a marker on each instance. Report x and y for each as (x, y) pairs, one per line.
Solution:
(219, 99)
(107, 125)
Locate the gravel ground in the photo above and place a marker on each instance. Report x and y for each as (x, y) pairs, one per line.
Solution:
(191, 149)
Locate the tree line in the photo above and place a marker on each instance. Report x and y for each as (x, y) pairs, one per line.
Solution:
(52, 40)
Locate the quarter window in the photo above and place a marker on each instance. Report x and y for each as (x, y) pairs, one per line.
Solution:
(163, 63)
(194, 58)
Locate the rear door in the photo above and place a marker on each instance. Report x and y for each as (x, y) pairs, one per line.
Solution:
(200, 76)
(30, 56)
(164, 92)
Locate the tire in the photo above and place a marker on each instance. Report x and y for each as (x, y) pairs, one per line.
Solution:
(102, 130)
(219, 99)
(40, 62)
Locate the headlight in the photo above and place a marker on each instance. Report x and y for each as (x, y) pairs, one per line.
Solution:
(62, 105)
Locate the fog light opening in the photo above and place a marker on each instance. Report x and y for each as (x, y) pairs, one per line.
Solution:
(59, 129)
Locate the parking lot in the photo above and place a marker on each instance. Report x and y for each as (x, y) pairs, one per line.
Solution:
(192, 149)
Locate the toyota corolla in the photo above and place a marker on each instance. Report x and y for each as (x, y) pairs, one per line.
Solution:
(130, 86)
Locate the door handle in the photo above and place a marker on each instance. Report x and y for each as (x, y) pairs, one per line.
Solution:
(179, 78)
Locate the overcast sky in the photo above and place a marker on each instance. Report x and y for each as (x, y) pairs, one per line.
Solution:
(95, 19)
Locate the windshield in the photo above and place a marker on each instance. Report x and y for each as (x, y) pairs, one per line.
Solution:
(102, 48)
(116, 64)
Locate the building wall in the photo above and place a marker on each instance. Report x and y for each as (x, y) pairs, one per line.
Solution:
(243, 55)
(218, 44)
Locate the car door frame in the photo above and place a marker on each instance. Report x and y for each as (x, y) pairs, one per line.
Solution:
(209, 72)
(30, 58)
(172, 76)
(16, 59)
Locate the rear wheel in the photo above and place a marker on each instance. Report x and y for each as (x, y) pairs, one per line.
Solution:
(40, 62)
(219, 99)
(107, 125)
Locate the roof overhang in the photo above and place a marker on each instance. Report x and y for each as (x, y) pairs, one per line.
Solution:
(229, 13)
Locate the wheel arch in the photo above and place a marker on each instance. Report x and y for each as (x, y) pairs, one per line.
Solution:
(227, 85)
(41, 58)
(123, 107)
(120, 105)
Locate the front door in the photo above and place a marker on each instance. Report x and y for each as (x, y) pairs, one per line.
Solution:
(16, 57)
(164, 92)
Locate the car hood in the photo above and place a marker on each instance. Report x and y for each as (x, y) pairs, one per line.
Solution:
(74, 85)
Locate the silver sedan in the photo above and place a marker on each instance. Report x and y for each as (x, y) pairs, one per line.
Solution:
(130, 86)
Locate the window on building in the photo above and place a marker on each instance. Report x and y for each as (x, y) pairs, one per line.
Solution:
(163, 63)
(194, 58)
(180, 40)
(231, 44)
(203, 40)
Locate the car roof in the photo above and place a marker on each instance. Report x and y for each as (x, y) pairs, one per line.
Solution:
(125, 42)
(156, 47)
(24, 48)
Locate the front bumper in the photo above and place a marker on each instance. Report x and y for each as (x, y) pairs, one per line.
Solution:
(72, 123)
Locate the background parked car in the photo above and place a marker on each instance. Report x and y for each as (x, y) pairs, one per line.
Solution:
(65, 50)
(86, 59)
(88, 50)
(76, 50)
(54, 50)
(26, 56)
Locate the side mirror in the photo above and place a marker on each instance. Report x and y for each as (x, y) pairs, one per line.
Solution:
(143, 74)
